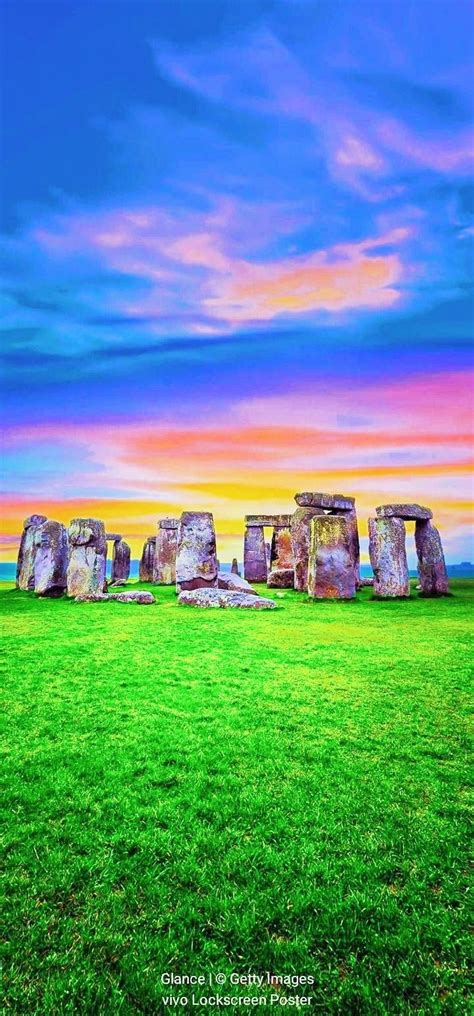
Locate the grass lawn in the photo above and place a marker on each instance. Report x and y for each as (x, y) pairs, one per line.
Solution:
(196, 791)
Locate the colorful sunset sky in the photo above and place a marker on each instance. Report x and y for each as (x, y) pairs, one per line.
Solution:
(237, 260)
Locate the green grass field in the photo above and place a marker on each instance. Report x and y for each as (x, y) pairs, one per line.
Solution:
(196, 791)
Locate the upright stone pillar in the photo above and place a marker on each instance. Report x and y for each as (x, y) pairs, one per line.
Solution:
(300, 537)
(330, 566)
(281, 574)
(51, 559)
(164, 573)
(120, 562)
(25, 568)
(388, 557)
(431, 564)
(147, 560)
(235, 567)
(196, 558)
(255, 560)
(87, 557)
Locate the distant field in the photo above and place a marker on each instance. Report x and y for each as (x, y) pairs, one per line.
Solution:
(197, 791)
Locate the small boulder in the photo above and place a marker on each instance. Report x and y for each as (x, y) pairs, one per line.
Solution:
(281, 578)
(133, 596)
(223, 598)
(229, 580)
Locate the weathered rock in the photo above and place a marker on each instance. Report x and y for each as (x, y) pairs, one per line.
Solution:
(255, 560)
(365, 583)
(132, 596)
(353, 529)
(223, 598)
(235, 566)
(431, 563)
(116, 585)
(316, 500)
(120, 561)
(164, 572)
(196, 559)
(147, 560)
(388, 557)
(87, 556)
(268, 520)
(169, 523)
(281, 578)
(281, 556)
(411, 512)
(25, 568)
(300, 535)
(51, 558)
(331, 566)
(268, 553)
(229, 580)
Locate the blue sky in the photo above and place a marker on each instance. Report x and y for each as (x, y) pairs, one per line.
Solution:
(216, 213)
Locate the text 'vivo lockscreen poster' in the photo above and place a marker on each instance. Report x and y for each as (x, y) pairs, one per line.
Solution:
(236, 574)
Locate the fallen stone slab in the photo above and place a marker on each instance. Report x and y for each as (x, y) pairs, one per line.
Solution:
(411, 512)
(281, 578)
(229, 580)
(134, 596)
(311, 499)
(363, 583)
(223, 598)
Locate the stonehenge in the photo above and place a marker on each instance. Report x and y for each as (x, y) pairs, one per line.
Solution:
(331, 572)
(314, 550)
(51, 558)
(87, 557)
(387, 552)
(147, 560)
(196, 558)
(164, 567)
(25, 569)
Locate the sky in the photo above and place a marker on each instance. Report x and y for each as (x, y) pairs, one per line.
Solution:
(237, 260)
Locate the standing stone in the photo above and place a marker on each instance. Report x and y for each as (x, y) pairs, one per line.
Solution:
(147, 560)
(51, 559)
(87, 557)
(388, 557)
(120, 562)
(431, 564)
(164, 573)
(268, 553)
(353, 528)
(300, 536)
(196, 559)
(281, 574)
(330, 565)
(255, 558)
(25, 569)
(235, 566)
